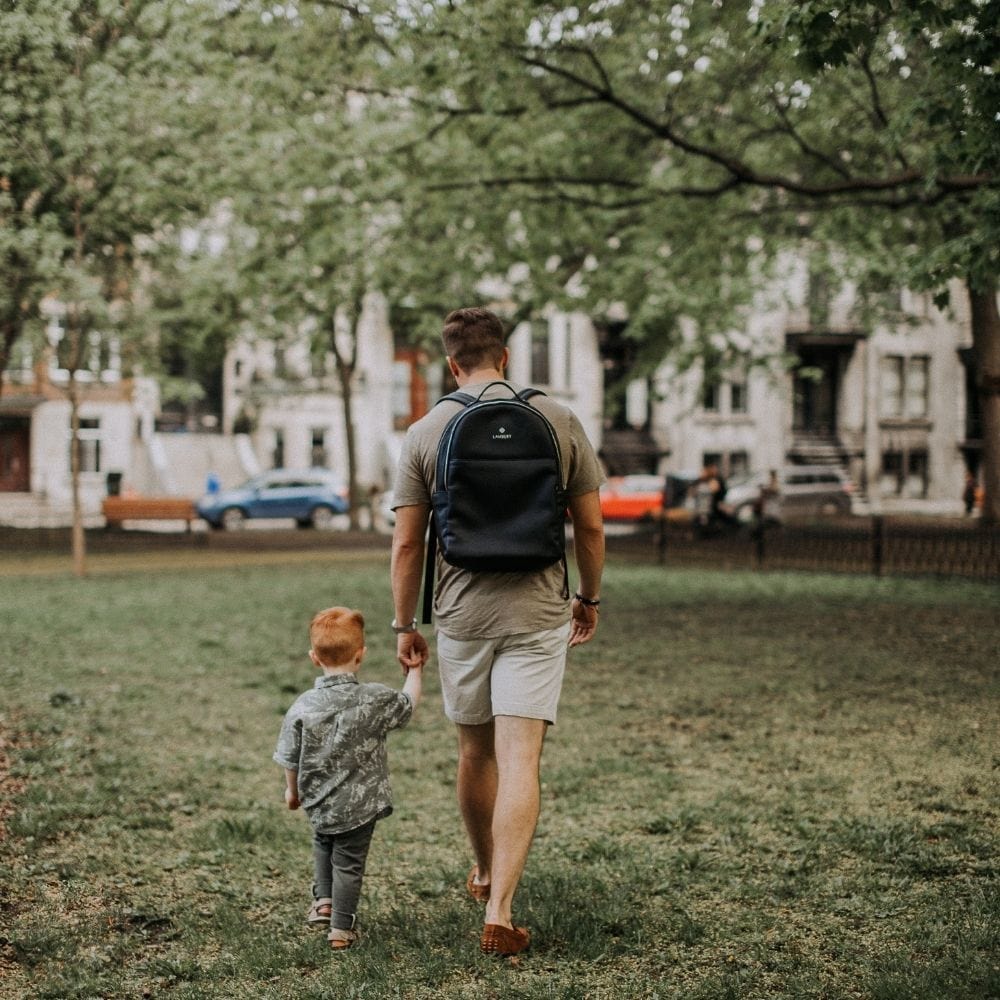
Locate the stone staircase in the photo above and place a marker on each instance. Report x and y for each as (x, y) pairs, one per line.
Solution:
(26, 510)
(629, 451)
(817, 449)
(167, 465)
(179, 464)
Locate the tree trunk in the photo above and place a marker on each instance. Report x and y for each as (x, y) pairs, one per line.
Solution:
(986, 348)
(347, 364)
(347, 394)
(79, 540)
(6, 349)
(74, 330)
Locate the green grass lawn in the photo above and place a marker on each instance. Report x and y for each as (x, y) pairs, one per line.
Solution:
(760, 786)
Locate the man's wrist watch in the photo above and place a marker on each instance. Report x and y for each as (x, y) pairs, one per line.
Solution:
(402, 629)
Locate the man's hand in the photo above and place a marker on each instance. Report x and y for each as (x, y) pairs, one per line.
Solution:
(292, 799)
(411, 650)
(584, 623)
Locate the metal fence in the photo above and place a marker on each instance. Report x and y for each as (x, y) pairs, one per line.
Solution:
(878, 545)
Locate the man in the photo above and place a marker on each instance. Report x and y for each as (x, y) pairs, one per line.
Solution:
(501, 637)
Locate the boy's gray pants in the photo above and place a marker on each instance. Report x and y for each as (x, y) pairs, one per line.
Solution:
(339, 861)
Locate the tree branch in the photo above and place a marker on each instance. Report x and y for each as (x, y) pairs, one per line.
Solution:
(745, 174)
(878, 113)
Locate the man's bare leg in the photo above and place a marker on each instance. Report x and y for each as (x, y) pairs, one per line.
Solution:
(518, 746)
(477, 792)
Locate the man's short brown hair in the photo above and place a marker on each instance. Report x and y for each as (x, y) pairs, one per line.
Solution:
(473, 337)
(336, 635)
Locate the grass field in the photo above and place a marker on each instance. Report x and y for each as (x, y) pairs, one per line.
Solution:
(760, 786)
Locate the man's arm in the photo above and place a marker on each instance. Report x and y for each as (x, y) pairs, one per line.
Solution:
(406, 573)
(588, 548)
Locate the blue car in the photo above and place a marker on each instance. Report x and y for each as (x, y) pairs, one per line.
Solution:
(311, 497)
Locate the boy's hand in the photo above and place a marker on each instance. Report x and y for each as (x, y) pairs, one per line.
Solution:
(292, 799)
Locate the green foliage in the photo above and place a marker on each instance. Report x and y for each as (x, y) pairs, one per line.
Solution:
(618, 154)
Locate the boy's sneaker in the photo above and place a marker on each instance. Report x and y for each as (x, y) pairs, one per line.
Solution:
(319, 913)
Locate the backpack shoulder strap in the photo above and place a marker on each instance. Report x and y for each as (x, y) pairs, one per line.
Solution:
(525, 394)
(429, 567)
(458, 397)
(466, 399)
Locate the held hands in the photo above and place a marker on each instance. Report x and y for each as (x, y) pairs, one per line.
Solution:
(412, 651)
(584, 622)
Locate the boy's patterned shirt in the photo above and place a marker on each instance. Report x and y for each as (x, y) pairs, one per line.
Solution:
(334, 737)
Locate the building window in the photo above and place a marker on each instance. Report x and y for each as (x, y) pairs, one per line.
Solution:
(917, 381)
(89, 442)
(710, 396)
(738, 397)
(905, 386)
(540, 354)
(317, 360)
(739, 463)
(892, 386)
(318, 458)
(916, 475)
(905, 474)
(892, 473)
(278, 450)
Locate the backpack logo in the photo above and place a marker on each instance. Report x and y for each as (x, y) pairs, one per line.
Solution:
(502, 435)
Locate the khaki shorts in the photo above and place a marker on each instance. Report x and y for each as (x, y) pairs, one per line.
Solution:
(518, 675)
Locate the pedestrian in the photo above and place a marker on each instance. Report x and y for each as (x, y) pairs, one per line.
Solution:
(767, 505)
(969, 494)
(502, 637)
(332, 747)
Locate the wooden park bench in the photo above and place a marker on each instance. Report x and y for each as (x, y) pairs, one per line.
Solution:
(119, 509)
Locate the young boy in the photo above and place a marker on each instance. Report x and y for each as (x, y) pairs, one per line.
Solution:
(332, 747)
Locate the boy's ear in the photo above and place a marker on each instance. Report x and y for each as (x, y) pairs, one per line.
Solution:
(315, 659)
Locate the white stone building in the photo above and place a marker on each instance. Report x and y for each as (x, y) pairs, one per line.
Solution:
(892, 402)
(35, 427)
(290, 401)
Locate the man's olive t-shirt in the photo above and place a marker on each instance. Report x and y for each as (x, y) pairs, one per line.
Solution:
(478, 605)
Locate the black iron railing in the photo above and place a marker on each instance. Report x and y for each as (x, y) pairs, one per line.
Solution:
(879, 545)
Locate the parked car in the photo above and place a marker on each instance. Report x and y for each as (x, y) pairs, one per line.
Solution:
(631, 498)
(310, 496)
(804, 490)
(640, 497)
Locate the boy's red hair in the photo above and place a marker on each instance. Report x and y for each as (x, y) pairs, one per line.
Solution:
(336, 635)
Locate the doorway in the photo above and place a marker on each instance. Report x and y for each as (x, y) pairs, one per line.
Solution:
(816, 385)
(15, 438)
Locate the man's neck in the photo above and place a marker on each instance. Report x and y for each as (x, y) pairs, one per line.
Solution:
(480, 375)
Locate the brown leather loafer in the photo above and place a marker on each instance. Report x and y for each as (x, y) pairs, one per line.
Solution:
(480, 893)
(499, 940)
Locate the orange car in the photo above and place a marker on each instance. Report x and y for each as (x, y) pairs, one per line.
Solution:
(632, 498)
(640, 497)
